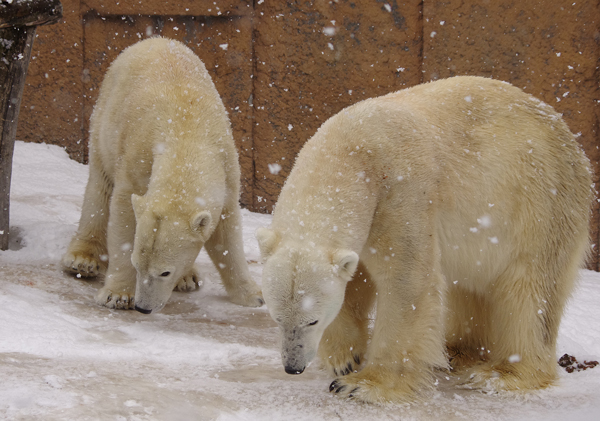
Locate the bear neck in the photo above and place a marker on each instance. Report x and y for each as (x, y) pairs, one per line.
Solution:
(318, 201)
(187, 176)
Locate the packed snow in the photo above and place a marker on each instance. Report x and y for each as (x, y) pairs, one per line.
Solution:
(202, 358)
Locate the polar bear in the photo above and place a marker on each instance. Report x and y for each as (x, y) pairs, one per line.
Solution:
(461, 207)
(164, 181)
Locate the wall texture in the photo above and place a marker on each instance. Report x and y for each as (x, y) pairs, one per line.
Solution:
(284, 67)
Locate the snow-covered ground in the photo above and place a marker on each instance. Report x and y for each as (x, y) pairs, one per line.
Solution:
(202, 358)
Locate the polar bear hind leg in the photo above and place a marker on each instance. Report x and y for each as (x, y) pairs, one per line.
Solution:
(524, 323)
(466, 327)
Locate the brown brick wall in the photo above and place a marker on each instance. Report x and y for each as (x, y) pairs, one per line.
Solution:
(52, 105)
(290, 65)
(312, 60)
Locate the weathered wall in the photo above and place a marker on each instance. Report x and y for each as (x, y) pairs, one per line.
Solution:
(312, 60)
(290, 65)
(52, 105)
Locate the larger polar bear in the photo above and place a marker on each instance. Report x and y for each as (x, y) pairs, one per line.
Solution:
(461, 207)
(164, 181)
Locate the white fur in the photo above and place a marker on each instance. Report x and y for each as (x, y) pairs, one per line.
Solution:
(164, 181)
(467, 202)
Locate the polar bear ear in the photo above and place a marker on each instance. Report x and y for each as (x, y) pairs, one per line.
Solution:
(138, 204)
(345, 261)
(200, 223)
(267, 241)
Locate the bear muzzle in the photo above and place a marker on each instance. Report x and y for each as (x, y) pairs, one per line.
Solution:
(293, 360)
(143, 310)
(294, 370)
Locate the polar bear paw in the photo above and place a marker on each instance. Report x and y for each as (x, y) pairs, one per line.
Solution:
(518, 376)
(342, 349)
(343, 365)
(123, 300)
(189, 282)
(376, 386)
(486, 382)
(83, 264)
(247, 294)
(461, 358)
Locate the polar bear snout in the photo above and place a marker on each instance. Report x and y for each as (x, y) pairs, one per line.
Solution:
(143, 310)
(293, 360)
(152, 293)
(296, 354)
(294, 370)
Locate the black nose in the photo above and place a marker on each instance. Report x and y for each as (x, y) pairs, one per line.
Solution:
(292, 370)
(143, 310)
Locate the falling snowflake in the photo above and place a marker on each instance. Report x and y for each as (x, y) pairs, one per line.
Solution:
(274, 168)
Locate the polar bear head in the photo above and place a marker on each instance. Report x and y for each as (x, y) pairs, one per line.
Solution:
(303, 286)
(165, 248)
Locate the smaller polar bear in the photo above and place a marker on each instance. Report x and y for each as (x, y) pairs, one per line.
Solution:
(461, 207)
(164, 181)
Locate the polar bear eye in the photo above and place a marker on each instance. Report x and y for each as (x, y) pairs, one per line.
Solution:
(165, 274)
(313, 323)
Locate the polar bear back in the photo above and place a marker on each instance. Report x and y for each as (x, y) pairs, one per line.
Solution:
(498, 167)
(135, 119)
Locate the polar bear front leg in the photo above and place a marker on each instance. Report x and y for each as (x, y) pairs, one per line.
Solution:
(344, 343)
(226, 250)
(86, 255)
(119, 284)
(408, 341)
(190, 282)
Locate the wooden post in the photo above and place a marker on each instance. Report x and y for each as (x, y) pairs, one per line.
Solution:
(18, 20)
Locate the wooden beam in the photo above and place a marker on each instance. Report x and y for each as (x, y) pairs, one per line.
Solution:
(18, 21)
(29, 12)
(13, 70)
